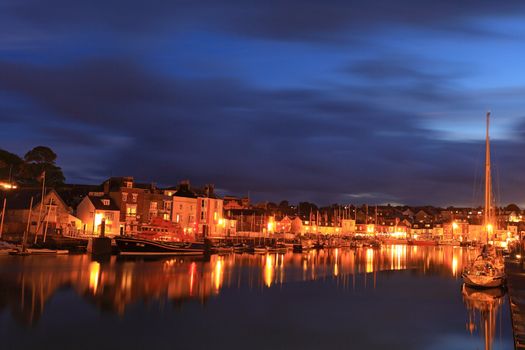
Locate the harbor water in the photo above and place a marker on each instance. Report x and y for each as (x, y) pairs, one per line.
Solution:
(394, 297)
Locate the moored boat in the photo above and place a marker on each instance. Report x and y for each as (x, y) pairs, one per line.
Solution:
(277, 248)
(487, 271)
(128, 245)
(260, 250)
(483, 274)
(422, 242)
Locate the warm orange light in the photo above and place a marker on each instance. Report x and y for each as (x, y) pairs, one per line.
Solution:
(454, 225)
(268, 270)
(8, 185)
(94, 272)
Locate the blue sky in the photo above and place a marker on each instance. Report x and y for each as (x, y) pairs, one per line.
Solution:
(328, 101)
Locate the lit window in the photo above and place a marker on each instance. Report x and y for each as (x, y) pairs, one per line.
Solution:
(131, 210)
(105, 201)
(124, 196)
(129, 184)
(134, 197)
(153, 205)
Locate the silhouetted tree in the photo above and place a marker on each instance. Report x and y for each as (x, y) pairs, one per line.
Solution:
(28, 171)
(513, 207)
(10, 165)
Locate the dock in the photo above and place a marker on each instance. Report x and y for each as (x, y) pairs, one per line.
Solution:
(516, 289)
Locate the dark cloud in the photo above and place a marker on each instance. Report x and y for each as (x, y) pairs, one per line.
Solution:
(289, 20)
(79, 77)
(301, 144)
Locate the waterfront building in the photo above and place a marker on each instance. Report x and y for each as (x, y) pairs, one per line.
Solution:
(184, 208)
(97, 210)
(210, 216)
(51, 215)
(129, 199)
(199, 211)
(139, 204)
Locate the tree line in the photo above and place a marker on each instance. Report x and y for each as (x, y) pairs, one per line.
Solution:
(28, 171)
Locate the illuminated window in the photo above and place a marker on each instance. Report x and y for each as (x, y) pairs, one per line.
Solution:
(124, 196)
(178, 218)
(134, 197)
(153, 205)
(129, 184)
(105, 201)
(131, 210)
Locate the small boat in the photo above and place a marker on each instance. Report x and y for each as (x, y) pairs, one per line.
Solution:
(44, 251)
(260, 249)
(128, 245)
(277, 248)
(449, 242)
(38, 251)
(240, 247)
(222, 248)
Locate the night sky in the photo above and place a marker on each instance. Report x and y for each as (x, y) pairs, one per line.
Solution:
(327, 101)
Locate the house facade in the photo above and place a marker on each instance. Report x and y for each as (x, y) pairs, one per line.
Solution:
(97, 211)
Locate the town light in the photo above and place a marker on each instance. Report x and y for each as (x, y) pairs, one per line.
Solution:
(455, 225)
(98, 219)
(8, 186)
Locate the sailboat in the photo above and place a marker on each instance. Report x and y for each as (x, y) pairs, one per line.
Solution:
(487, 271)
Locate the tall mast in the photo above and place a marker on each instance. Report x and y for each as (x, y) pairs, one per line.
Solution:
(488, 180)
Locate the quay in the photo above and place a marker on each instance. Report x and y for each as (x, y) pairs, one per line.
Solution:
(516, 289)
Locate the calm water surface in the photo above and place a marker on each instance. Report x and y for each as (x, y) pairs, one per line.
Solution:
(398, 297)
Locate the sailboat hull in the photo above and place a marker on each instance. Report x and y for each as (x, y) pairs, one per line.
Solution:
(480, 281)
(138, 246)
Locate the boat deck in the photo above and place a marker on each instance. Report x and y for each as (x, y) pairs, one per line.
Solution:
(516, 288)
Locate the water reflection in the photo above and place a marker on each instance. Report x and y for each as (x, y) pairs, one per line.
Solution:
(483, 307)
(115, 284)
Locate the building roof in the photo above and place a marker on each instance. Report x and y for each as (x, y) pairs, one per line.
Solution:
(184, 191)
(21, 198)
(99, 204)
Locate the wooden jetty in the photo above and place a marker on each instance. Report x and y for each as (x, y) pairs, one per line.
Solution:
(516, 288)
